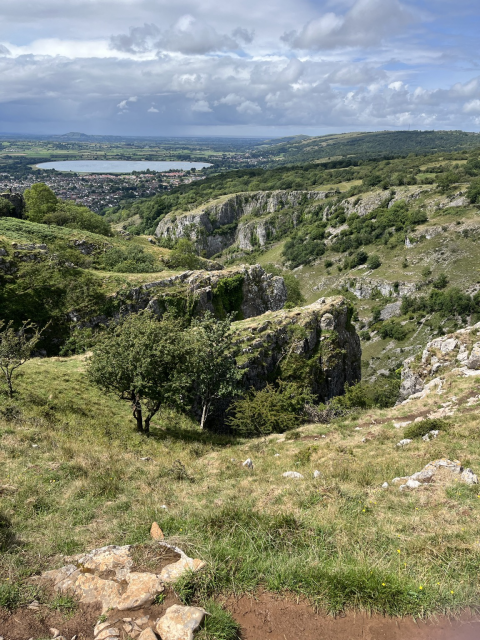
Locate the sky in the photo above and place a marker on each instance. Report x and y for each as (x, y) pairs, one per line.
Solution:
(249, 68)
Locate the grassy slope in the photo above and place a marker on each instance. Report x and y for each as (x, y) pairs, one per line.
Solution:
(340, 540)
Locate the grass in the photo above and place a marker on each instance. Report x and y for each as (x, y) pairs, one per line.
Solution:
(340, 540)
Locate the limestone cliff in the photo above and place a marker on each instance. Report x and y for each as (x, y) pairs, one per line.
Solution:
(316, 345)
(246, 220)
(246, 291)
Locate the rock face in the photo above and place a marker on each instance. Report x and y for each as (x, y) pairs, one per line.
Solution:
(247, 290)
(317, 343)
(17, 201)
(221, 224)
(364, 287)
(458, 352)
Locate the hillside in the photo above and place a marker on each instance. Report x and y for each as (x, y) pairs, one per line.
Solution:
(361, 145)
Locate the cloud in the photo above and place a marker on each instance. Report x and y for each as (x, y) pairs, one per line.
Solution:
(201, 106)
(124, 103)
(189, 35)
(244, 35)
(153, 110)
(139, 39)
(472, 107)
(249, 107)
(366, 24)
(4, 51)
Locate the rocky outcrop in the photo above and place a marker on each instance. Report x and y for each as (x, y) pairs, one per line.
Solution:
(18, 204)
(317, 344)
(364, 288)
(437, 471)
(108, 577)
(246, 290)
(221, 224)
(363, 204)
(457, 352)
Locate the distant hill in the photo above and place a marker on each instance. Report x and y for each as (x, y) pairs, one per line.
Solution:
(377, 144)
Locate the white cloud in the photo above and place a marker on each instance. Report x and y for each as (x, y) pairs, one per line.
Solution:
(366, 24)
(472, 107)
(201, 106)
(4, 51)
(124, 103)
(153, 110)
(249, 107)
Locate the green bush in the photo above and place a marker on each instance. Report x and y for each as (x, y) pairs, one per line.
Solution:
(420, 429)
(374, 261)
(270, 410)
(74, 216)
(131, 259)
(295, 297)
(392, 329)
(6, 208)
(184, 256)
(382, 393)
(440, 282)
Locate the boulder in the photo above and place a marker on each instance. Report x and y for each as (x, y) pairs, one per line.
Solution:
(180, 623)
(293, 474)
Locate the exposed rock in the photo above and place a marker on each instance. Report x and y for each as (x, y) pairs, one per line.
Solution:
(331, 356)
(147, 634)
(292, 474)
(391, 310)
(248, 463)
(156, 532)
(430, 435)
(219, 224)
(105, 575)
(385, 485)
(17, 201)
(404, 442)
(179, 623)
(364, 287)
(452, 468)
(317, 474)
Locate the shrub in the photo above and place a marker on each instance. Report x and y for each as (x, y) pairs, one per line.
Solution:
(440, 282)
(6, 208)
(382, 393)
(131, 259)
(74, 216)
(392, 329)
(473, 192)
(270, 410)
(295, 297)
(374, 261)
(184, 256)
(420, 429)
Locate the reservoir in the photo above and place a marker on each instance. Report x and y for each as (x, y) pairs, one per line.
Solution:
(120, 166)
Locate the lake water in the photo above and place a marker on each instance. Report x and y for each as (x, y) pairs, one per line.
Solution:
(119, 166)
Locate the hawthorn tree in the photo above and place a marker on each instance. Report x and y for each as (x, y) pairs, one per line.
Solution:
(212, 366)
(142, 360)
(16, 348)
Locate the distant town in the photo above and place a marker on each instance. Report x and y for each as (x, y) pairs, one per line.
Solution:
(97, 191)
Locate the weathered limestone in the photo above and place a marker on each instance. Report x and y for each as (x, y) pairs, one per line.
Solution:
(219, 224)
(318, 337)
(180, 623)
(433, 471)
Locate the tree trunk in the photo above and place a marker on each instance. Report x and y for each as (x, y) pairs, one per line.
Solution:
(10, 386)
(204, 414)
(137, 413)
(149, 417)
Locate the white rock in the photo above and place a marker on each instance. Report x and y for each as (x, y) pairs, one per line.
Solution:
(449, 345)
(248, 463)
(292, 474)
(469, 477)
(358, 429)
(54, 632)
(404, 442)
(397, 425)
(431, 434)
(35, 446)
(385, 485)
(108, 633)
(276, 455)
(147, 634)
(179, 623)
(317, 474)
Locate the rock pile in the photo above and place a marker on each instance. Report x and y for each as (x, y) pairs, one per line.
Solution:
(107, 576)
(452, 469)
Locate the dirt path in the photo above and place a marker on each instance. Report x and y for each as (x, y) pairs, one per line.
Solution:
(269, 618)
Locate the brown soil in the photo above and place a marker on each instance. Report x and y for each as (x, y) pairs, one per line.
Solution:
(278, 619)
(23, 624)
